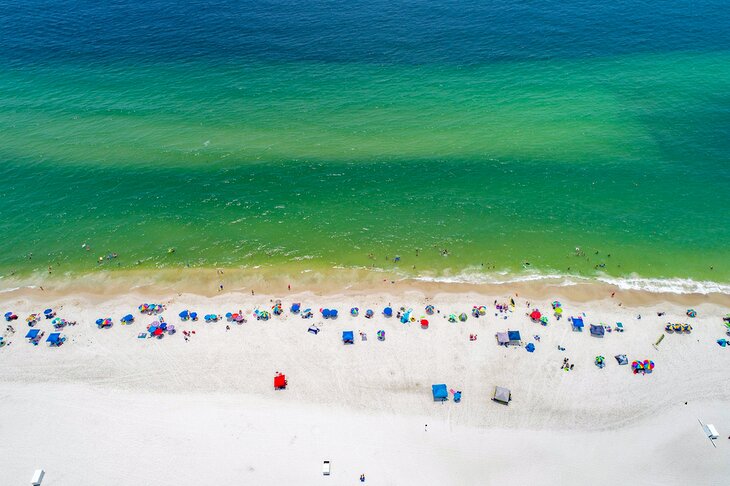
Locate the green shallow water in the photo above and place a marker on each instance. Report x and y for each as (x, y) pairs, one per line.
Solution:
(273, 163)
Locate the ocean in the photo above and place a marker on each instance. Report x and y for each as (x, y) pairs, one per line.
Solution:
(454, 140)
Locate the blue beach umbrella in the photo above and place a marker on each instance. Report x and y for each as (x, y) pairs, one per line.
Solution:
(194, 316)
(387, 312)
(184, 315)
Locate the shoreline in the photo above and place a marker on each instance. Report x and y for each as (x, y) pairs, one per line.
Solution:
(347, 282)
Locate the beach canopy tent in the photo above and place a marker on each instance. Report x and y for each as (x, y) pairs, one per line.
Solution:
(440, 392)
(514, 337)
(279, 382)
(502, 395)
(348, 337)
(577, 323)
(32, 334)
(597, 331)
(54, 338)
(387, 312)
(502, 338)
(622, 359)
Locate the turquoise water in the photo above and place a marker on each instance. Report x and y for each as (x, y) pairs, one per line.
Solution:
(311, 152)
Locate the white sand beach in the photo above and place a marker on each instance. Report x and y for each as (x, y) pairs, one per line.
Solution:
(109, 408)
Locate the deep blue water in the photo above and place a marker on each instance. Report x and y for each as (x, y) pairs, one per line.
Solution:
(370, 31)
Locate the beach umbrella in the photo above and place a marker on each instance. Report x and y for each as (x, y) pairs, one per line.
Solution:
(354, 311)
(194, 316)
(238, 317)
(229, 316)
(530, 348)
(99, 322)
(424, 323)
(381, 335)
(184, 315)
(325, 313)
(157, 332)
(295, 308)
(650, 365)
(48, 312)
(128, 318)
(482, 310)
(558, 311)
(369, 313)
(691, 313)
(535, 315)
(163, 326)
(333, 313)
(556, 304)
(56, 320)
(429, 309)
(387, 312)
(475, 312)
(635, 364)
(462, 317)
(452, 317)
(544, 320)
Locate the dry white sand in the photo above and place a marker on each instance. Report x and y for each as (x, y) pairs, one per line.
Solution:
(108, 408)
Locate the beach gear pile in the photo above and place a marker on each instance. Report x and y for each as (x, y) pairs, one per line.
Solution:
(642, 367)
(186, 315)
(557, 309)
(307, 314)
(235, 317)
(104, 322)
(59, 323)
(678, 328)
(151, 308)
(277, 309)
(159, 328)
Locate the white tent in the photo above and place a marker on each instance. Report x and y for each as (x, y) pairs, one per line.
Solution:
(502, 395)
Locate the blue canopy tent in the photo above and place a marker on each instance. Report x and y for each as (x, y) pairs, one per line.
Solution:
(597, 331)
(54, 338)
(440, 392)
(32, 334)
(577, 323)
(348, 337)
(388, 312)
(184, 315)
(514, 337)
(128, 318)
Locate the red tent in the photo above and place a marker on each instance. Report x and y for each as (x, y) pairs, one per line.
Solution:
(279, 381)
(535, 316)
